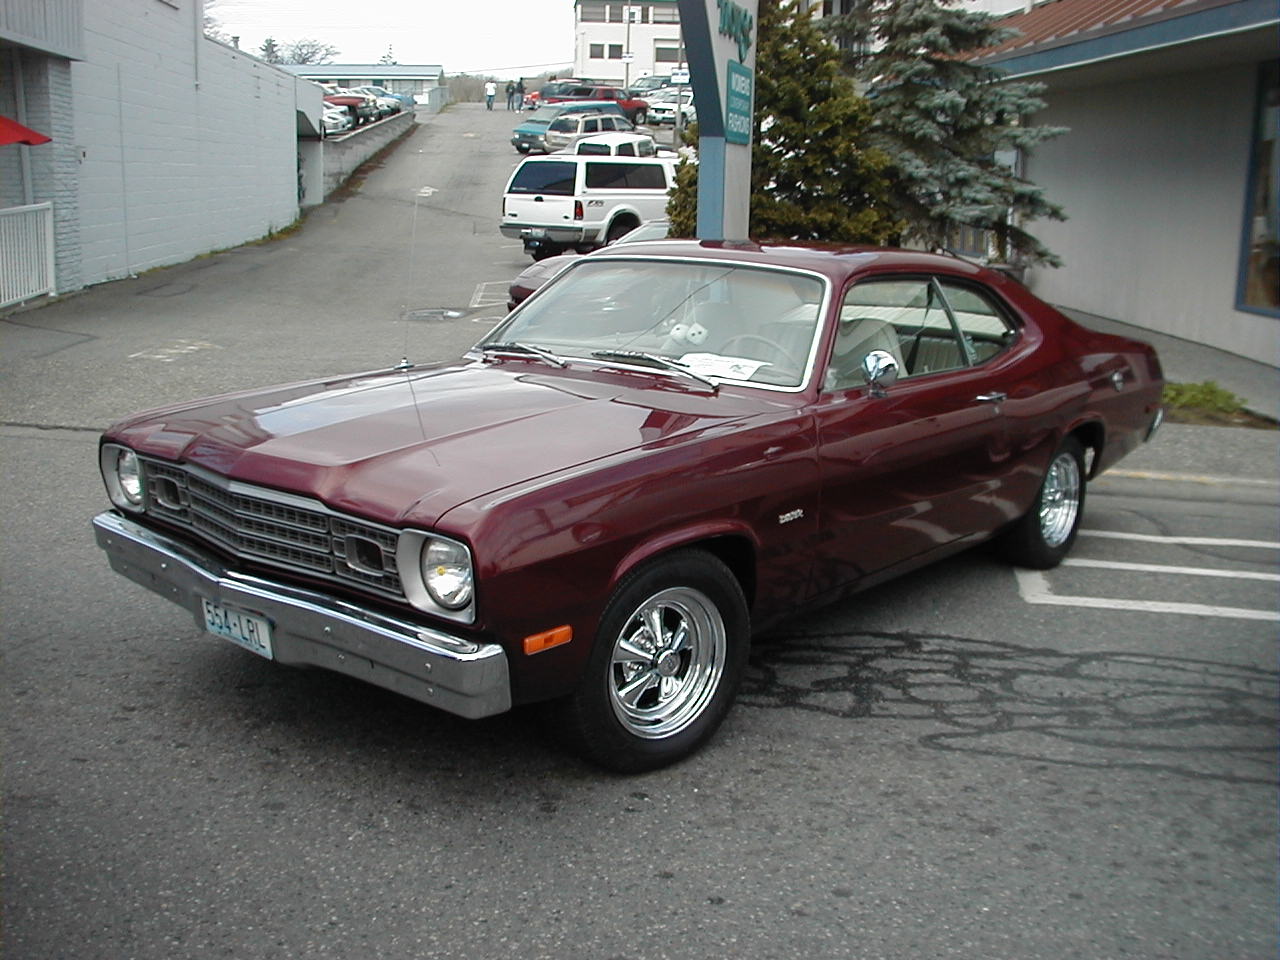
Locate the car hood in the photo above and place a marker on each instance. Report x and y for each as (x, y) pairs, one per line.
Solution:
(404, 447)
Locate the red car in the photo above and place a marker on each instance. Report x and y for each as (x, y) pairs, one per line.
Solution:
(672, 446)
(637, 110)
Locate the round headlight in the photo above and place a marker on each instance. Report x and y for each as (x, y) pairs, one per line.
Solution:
(446, 570)
(129, 474)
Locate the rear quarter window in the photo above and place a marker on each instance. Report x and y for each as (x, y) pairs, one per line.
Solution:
(625, 176)
(556, 178)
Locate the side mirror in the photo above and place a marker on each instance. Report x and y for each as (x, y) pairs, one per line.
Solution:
(880, 370)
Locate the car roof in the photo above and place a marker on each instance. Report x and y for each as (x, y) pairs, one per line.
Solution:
(616, 137)
(838, 262)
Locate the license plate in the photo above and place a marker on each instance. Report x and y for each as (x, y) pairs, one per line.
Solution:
(243, 629)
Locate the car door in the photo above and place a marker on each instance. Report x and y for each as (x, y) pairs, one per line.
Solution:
(906, 469)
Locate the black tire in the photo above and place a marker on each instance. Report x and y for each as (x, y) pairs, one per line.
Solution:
(1043, 536)
(640, 118)
(544, 250)
(647, 702)
(618, 230)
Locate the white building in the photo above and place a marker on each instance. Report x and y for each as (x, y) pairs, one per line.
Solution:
(424, 82)
(165, 145)
(618, 43)
(1170, 173)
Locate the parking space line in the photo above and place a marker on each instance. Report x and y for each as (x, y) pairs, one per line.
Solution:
(1162, 568)
(486, 297)
(1186, 541)
(1034, 587)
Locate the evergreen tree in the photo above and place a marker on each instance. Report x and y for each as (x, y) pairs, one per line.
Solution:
(388, 57)
(270, 52)
(812, 175)
(945, 122)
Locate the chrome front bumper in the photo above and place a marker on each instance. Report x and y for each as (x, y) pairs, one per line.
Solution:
(316, 630)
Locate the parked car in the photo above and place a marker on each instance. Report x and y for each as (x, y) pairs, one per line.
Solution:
(566, 200)
(532, 277)
(662, 106)
(530, 135)
(664, 452)
(635, 109)
(647, 85)
(536, 98)
(568, 128)
(362, 107)
(405, 101)
(335, 120)
(619, 145)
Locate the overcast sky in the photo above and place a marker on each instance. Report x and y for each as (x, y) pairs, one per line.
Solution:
(507, 38)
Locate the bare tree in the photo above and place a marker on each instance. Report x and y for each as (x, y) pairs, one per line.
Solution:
(213, 26)
(308, 51)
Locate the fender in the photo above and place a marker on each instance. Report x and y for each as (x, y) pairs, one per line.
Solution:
(671, 540)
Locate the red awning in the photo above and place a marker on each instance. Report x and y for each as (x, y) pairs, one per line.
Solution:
(13, 132)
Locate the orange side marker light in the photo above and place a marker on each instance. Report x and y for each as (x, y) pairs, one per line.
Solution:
(545, 641)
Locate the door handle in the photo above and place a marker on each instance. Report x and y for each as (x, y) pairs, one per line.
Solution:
(994, 397)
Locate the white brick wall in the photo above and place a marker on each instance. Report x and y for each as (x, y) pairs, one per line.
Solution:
(186, 146)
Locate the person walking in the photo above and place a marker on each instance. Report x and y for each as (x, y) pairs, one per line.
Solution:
(490, 91)
(511, 95)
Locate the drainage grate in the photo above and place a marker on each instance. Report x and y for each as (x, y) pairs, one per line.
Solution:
(431, 314)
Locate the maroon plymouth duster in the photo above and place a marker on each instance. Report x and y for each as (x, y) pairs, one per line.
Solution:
(665, 449)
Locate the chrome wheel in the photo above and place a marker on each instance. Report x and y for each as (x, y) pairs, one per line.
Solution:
(667, 663)
(1060, 500)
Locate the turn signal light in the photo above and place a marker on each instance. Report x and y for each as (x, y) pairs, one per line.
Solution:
(545, 641)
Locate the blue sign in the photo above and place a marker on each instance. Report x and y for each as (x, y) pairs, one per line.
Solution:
(739, 94)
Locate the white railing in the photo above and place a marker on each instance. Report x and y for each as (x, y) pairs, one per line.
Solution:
(26, 252)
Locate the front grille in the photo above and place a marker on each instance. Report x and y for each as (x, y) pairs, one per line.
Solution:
(274, 528)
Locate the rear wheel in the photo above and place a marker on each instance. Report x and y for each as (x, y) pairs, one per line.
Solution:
(618, 230)
(544, 250)
(1044, 535)
(666, 664)
(640, 118)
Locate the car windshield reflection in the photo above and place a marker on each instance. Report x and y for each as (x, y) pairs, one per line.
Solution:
(721, 321)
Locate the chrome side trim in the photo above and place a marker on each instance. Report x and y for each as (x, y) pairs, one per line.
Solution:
(311, 629)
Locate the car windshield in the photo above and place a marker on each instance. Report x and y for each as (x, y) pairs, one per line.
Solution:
(724, 322)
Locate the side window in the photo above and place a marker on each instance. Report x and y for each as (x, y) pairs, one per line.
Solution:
(591, 126)
(606, 123)
(646, 176)
(626, 150)
(905, 318)
(984, 327)
(606, 176)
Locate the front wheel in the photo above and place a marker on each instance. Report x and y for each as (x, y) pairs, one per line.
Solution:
(667, 660)
(640, 118)
(1044, 535)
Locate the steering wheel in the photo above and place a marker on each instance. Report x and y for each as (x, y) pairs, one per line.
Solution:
(773, 345)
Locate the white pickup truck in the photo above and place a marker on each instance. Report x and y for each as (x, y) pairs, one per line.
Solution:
(561, 201)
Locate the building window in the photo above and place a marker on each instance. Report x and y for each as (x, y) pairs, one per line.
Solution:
(615, 51)
(591, 12)
(669, 52)
(1260, 271)
(664, 13)
(596, 51)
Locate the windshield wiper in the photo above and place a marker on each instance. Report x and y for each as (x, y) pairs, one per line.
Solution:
(652, 359)
(524, 350)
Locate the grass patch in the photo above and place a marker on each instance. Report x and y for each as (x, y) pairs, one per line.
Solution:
(1207, 403)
